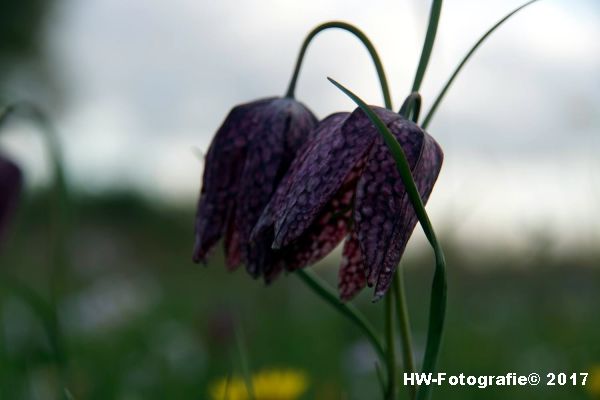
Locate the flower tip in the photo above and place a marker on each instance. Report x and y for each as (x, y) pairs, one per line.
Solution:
(197, 259)
(377, 296)
(197, 255)
(276, 245)
(254, 267)
(330, 79)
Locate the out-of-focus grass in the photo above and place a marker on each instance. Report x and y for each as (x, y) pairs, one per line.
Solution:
(143, 322)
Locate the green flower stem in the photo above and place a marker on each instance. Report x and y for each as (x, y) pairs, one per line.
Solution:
(437, 311)
(411, 108)
(362, 37)
(380, 379)
(61, 220)
(403, 319)
(460, 66)
(437, 316)
(348, 310)
(434, 18)
(390, 347)
(48, 312)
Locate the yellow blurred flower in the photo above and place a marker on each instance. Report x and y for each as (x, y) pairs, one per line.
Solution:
(593, 382)
(267, 385)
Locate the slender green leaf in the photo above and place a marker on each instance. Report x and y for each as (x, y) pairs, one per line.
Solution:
(437, 308)
(460, 66)
(434, 19)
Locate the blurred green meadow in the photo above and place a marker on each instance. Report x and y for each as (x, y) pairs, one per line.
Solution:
(136, 319)
(141, 321)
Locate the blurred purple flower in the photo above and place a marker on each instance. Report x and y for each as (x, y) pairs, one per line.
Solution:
(247, 158)
(10, 188)
(345, 183)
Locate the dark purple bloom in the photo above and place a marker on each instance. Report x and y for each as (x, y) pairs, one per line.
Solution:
(247, 158)
(10, 188)
(345, 183)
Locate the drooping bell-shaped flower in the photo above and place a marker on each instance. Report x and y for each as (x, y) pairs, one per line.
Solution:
(345, 183)
(247, 158)
(10, 188)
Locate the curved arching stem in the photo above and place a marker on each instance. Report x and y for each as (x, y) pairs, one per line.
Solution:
(362, 37)
(48, 312)
(50, 135)
(62, 197)
(411, 108)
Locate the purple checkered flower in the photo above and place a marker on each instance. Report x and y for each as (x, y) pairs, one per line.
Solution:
(10, 188)
(344, 184)
(247, 158)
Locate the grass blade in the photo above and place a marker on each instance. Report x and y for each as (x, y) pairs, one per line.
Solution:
(390, 347)
(460, 66)
(380, 378)
(405, 334)
(434, 19)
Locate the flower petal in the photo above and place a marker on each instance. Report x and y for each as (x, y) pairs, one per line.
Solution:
(384, 216)
(316, 175)
(321, 238)
(285, 126)
(352, 276)
(425, 175)
(308, 215)
(11, 181)
(223, 166)
(323, 235)
(296, 175)
(233, 256)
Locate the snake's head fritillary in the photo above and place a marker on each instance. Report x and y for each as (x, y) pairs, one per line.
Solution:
(345, 183)
(247, 158)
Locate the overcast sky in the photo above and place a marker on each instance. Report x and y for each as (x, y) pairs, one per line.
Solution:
(146, 82)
